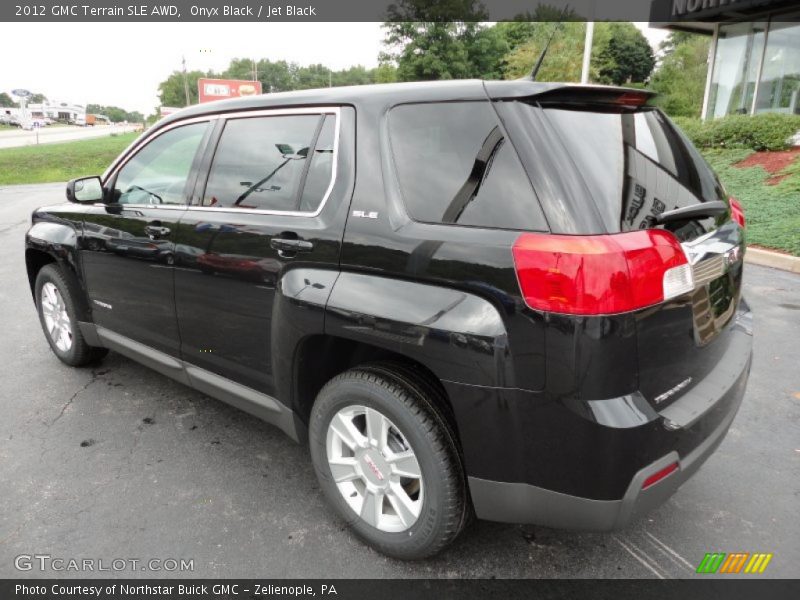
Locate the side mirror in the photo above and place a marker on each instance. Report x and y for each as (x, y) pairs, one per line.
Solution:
(85, 189)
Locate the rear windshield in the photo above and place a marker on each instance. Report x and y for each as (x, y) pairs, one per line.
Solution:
(636, 164)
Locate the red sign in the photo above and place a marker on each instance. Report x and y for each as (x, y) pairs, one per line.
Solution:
(219, 89)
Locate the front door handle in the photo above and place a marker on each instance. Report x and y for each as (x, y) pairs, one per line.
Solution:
(155, 232)
(291, 245)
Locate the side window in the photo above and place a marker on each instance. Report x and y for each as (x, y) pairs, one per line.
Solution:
(455, 166)
(320, 171)
(262, 162)
(157, 173)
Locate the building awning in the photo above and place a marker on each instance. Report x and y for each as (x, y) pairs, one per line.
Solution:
(700, 16)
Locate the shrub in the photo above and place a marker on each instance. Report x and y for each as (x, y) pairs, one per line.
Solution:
(771, 131)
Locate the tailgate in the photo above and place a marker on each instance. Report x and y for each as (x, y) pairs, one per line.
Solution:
(629, 165)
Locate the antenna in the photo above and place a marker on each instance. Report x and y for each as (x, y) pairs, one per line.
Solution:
(538, 65)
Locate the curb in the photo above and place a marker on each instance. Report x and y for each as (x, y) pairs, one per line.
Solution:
(776, 260)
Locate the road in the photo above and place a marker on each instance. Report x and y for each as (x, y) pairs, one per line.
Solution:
(12, 138)
(119, 462)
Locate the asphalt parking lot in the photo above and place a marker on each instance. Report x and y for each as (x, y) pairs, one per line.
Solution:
(117, 461)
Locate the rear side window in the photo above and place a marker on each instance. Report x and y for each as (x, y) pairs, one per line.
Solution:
(455, 166)
(320, 170)
(262, 163)
(637, 165)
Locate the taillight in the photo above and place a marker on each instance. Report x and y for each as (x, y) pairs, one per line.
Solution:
(600, 274)
(737, 212)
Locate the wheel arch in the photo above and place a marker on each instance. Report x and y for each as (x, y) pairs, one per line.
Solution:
(320, 358)
(41, 252)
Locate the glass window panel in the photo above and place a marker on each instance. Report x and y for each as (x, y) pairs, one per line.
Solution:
(455, 166)
(259, 162)
(320, 172)
(733, 82)
(157, 173)
(779, 90)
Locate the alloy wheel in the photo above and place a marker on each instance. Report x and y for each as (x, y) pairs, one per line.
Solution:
(375, 468)
(56, 319)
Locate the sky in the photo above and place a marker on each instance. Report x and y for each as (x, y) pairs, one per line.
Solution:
(121, 64)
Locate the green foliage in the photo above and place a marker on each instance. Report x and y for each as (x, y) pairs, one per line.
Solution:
(772, 211)
(6, 100)
(425, 44)
(115, 113)
(171, 90)
(385, 73)
(565, 56)
(620, 53)
(430, 50)
(626, 57)
(37, 98)
(769, 131)
(516, 33)
(60, 162)
(680, 80)
(275, 76)
(525, 26)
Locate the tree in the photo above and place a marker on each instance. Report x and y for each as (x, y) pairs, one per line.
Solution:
(171, 90)
(627, 56)
(6, 100)
(674, 39)
(525, 25)
(313, 76)
(681, 78)
(620, 53)
(486, 48)
(37, 99)
(115, 113)
(357, 75)
(564, 57)
(385, 73)
(425, 45)
(278, 76)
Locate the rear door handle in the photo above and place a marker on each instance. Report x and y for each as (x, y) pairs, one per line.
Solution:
(291, 245)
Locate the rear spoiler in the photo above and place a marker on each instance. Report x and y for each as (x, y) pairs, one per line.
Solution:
(569, 95)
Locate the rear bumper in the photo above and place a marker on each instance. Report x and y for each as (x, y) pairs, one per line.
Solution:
(525, 503)
(607, 455)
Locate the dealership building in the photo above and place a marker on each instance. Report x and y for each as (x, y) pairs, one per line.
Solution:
(65, 112)
(754, 62)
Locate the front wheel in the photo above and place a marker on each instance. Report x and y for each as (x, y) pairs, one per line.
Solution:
(387, 461)
(55, 302)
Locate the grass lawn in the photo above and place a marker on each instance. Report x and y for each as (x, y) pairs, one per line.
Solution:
(772, 211)
(59, 162)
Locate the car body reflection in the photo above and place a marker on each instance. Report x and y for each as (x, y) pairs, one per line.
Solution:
(142, 248)
(248, 268)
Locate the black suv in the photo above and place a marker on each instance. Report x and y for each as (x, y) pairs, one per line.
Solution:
(516, 299)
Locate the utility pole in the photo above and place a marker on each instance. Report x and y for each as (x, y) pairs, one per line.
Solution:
(255, 70)
(185, 81)
(587, 51)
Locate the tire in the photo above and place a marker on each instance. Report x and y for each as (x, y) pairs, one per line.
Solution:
(74, 351)
(416, 516)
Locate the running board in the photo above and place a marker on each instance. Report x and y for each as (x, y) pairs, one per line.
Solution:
(242, 397)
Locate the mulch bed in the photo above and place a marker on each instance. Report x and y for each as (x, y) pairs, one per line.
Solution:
(772, 162)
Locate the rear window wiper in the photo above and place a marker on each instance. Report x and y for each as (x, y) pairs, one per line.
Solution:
(695, 211)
